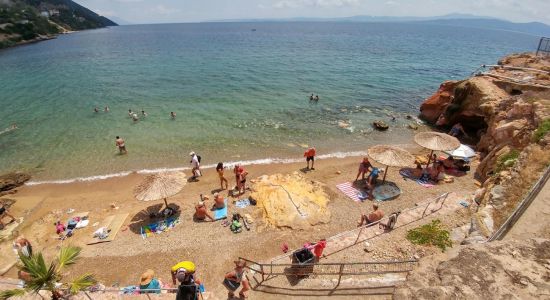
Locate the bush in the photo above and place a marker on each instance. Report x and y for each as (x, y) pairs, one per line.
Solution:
(543, 129)
(430, 234)
(507, 160)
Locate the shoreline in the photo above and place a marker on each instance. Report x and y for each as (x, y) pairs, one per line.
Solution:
(264, 161)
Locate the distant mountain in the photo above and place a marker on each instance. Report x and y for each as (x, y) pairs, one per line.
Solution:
(462, 20)
(23, 21)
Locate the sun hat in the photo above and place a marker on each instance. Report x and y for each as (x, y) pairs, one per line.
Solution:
(191, 153)
(146, 277)
(201, 203)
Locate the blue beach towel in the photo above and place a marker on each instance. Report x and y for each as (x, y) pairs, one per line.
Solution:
(221, 213)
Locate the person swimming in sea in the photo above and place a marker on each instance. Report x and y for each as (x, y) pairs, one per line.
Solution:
(106, 109)
(143, 113)
(135, 117)
(172, 115)
(316, 97)
(96, 110)
(119, 142)
(130, 113)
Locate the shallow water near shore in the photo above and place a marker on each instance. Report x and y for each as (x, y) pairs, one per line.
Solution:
(239, 95)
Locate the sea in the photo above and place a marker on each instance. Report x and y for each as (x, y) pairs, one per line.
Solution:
(240, 92)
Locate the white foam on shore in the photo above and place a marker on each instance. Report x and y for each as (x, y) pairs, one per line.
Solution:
(263, 161)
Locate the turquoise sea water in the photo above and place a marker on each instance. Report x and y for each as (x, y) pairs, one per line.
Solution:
(239, 94)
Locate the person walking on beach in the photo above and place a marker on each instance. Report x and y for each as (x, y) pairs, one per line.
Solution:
(195, 163)
(189, 286)
(23, 246)
(310, 156)
(220, 169)
(234, 279)
(119, 142)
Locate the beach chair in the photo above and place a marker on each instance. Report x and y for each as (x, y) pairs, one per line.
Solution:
(390, 223)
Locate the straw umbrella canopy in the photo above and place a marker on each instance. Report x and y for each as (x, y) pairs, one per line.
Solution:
(391, 156)
(436, 141)
(160, 186)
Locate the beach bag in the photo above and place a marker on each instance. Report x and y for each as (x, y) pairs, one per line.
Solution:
(236, 226)
(199, 158)
(231, 285)
(252, 201)
(392, 219)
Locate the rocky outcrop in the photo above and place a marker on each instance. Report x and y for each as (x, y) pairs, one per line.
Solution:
(497, 270)
(12, 180)
(435, 106)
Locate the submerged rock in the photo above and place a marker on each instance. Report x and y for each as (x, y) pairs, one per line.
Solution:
(12, 180)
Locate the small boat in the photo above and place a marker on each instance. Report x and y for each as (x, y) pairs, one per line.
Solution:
(253, 29)
(380, 125)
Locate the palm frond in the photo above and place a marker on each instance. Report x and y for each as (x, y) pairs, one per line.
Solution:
(68, 256)
(81, 283)
(6, 294)
(40, 274)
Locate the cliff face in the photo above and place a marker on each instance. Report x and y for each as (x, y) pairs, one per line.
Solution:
(23, 21)
(503, 108)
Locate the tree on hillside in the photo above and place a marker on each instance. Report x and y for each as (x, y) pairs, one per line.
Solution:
(42, 276)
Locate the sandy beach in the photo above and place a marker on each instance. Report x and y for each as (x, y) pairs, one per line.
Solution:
(211, 246)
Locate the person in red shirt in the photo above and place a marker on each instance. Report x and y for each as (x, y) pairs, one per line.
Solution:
(310, 155)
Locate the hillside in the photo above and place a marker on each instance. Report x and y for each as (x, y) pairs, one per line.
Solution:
(23, 21)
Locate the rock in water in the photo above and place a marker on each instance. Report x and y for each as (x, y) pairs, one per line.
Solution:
(12, 180)
(380, 125)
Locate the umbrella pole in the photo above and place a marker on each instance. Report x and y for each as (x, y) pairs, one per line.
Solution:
(165, 202)
(385, 173)
(429, 158)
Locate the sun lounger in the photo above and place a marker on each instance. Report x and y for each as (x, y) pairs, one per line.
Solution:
(112, 224)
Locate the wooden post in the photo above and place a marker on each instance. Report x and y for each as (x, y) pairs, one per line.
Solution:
(429, 159)
(385, 172)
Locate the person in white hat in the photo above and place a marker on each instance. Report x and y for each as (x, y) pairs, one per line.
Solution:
(195, 164)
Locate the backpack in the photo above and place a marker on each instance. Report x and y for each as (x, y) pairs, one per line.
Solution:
(199, 158)
(236, 226)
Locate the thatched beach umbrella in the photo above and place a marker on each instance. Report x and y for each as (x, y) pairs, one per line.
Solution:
(390, 156)
(436, 141)
(160, 186)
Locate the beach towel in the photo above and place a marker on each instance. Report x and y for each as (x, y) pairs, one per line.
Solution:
(407, 173)
(221, 213)
(348, 190)
(159, 227)
(242, 203)
(386, 191)
(454, 172)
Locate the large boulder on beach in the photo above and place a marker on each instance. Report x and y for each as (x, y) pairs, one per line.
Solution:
(12, 180)
(434, 106)
(291, 201)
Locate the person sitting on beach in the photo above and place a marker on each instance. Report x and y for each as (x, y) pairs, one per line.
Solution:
(106, 109)
(311, 97)
(172, 115)
(235, 278)
(59, 227)
(5, 213)
(449, 162)
(23, 246)
(219, 201)
(148, 283)
(316, 98)
(219, 169)
(195, 164)
(372, 217)
(437, 173)
(119, 142)
(184, 273)
(364, 167)
(417, 172)
(457, 129)
(143, 113)
(310, 155)
(201, 213)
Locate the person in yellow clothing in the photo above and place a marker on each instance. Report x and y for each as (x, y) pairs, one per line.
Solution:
(184, 273)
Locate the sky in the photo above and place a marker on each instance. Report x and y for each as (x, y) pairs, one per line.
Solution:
(180, 11)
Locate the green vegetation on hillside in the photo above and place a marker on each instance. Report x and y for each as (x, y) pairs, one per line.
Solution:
(27, 20)
(431, 235)
(507, 160)
(542, 130)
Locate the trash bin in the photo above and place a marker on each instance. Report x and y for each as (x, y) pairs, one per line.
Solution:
(303, 261)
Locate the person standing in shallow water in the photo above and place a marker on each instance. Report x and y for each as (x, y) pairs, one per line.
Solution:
(310, 156)
(311, 97)
(119, 142)
(172, 115)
